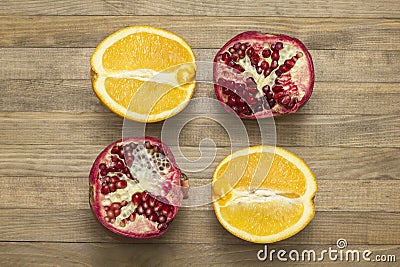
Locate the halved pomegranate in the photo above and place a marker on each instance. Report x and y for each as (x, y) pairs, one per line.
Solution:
(135, 187)
(261, 75)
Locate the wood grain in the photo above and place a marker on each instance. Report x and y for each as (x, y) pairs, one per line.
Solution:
(211, 32)
(73, 63)
(193, 227)
(297, 8)
(335, 98)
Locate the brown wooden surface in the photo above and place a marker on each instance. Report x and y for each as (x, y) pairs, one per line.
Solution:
(53, 126)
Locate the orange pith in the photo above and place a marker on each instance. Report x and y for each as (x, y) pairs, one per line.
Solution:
(263, 197)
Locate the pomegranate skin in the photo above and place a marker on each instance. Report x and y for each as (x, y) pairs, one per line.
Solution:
(141, 227)
(302, 76)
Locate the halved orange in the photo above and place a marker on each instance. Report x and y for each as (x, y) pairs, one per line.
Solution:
(143, 73)
(263, 194)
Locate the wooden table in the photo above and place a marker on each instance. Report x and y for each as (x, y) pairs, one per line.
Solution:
(53, 126)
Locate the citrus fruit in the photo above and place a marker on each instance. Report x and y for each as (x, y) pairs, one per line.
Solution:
(263, 194)
(143, 73)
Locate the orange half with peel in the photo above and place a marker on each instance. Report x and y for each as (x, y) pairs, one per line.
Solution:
(143, 73)
(263, 194)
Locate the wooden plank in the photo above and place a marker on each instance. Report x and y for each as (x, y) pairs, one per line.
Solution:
(308, 8)
(73, 63)
(73, 161)
(294, 130)
(40, 191)
(53, 224)
(330, 98)
(93, 254)
(211, 32)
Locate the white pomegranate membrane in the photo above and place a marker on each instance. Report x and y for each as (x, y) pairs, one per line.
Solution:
(135, 187)
(259, 75)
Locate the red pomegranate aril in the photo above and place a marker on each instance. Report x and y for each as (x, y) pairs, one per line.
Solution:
(124, 203)
(271, 102)
(121, 184)
(105, 190)
(140, 210)
(278, 46)
(235, 57)
(241, 53)
(102, 166)
(145, 204)
(110, 214)
(111, 169)
(148, 211)
(255, 59)
(112, 187)
(243, 47)
(225, 57)
(250, 52)
(272, 47)
(152, 202)
(122, 223)
(114, 179)
(230, 63)
(104, 172)
(121, 154)
(115, 206)
(117, 212)
(266, 89)
(264, 65)
(232, 50)
(145, 196)
(158, 207)
(277, 88)
(275, 55)
(274, 64)
(161, 226)
(259, 69)
(299, 55)
(162, 219)
(290, 63)
(119, 165)
(237, 46)
(114, 159)
(266, 53)
(107, 219)
(285, 100)
(115, 150)
(137, 198)
(165, 209)
(132, 217)
(153, 217)
(267, 72)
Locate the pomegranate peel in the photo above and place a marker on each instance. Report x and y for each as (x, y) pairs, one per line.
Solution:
(259, 75)
(135, 187)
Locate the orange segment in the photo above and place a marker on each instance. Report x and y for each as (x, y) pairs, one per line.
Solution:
(144, 73)
(263, 194)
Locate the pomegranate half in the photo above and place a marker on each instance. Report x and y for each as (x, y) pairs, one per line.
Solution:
(259, 75)
(135, 187)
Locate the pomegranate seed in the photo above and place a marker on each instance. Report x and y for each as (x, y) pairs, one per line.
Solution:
(277, 89)
(266, 53)
(274, 64)
(272, 46)
(241, 53)
(149, 211)
(239, 86)
(231, 101)
(243, 46)
(230, 63)
(114, 179)
(267, 72)
(278, 72)
(119, 165)
(293, 101)
(162, 226)
(289, 63)
(129, 162)
(112, 220)
(299, 54)
(235, 108)
(107, 219)
(104, 172)
(255, 59)
(259, 69)
(278, 46)
(145, 204)
(114, 150)
(237, 45)
(158, 207)
(148, 145)
(232, 50)
(165, 209)
(162, 219)
(102, 166)
(264, 65)
(105, 190)
(145, 196)
(132, 217)
(271, 102)
(136, 198)
(238, 68)
(125, 170)
(121, 184)
(122, 223)
(139, 210)
(266, 89)
(152, 202)
(117, 213)
(110, 214)
(284, 69)
(106, 208)
(121, 154)
(115, 206)
(112, 187)
(222, 82)
(124, 203)
(275, 55)
(114, 159)
(250, 51)
(225, 57)
(284, 100)
(294, 59)
(111, 169)
(108, 179)
(153, 217)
